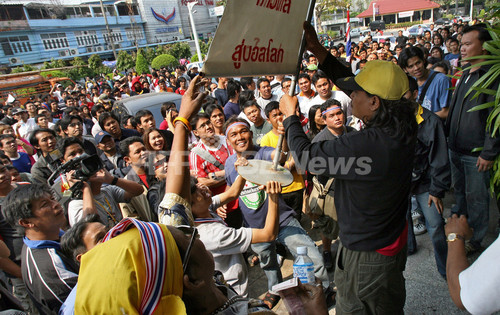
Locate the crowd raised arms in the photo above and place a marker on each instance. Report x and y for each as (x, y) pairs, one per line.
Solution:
(89, 193)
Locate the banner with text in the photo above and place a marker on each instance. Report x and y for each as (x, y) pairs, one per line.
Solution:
(257, 37)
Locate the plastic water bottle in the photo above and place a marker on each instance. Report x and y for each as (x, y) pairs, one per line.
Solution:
(303, 267)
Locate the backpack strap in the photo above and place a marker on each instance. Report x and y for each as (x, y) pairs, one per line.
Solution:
(426, 87)
(207, 157)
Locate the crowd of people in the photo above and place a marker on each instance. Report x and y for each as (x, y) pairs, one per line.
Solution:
(162, 222)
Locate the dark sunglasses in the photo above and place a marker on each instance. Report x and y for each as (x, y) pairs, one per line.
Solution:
(188, 231)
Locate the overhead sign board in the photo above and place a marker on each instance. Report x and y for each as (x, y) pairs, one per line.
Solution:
(257, 37)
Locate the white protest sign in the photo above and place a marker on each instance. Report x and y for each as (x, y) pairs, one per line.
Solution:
(257, 37)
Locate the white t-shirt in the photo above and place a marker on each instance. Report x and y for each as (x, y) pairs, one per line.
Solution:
(263, 102)
(340, 96)
(227, 245)
(479, 289)
(106, 204)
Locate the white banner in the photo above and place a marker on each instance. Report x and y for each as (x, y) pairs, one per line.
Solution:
(405, 14)
(257, 37)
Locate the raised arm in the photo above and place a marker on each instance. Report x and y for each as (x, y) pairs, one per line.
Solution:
(329, 64)
(271, 228)
(178, 175)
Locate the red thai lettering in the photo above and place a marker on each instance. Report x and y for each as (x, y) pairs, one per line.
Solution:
(256, 53)
(277, 5)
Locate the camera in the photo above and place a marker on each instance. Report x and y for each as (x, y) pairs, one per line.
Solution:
(85, 167)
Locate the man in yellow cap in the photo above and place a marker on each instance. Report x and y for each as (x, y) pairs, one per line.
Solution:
(372, 170)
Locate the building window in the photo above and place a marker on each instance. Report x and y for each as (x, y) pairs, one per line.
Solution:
(116, 35)
(11, 13)
(54, 41)
(134, 34)
(15, 45)
(86, 38)
(126, 9)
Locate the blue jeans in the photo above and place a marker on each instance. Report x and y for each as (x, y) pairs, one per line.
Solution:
(471, 193)
(435, 227)
(292, 236)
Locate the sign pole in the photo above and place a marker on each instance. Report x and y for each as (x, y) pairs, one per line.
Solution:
(310, 13)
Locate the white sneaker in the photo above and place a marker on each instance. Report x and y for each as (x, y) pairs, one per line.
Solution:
(415, 215)
(419, 228)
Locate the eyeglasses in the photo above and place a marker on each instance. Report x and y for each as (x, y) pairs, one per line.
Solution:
(75, 124)
(188, 231)
(160, 163)
(205, 125)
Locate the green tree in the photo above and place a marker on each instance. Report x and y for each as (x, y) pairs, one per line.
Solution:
(164, 60)
(95, 64)
(325, 7)
(179, 50)
(204, 47)
(23, 68)
(150, 54)
(81, 69)
(54, 63)
(195, 57)
(124, 61)
(141, 64)
(488, 84)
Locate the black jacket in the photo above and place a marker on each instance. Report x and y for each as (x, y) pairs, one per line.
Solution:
(120, 171)
(431, 167)
(467, 130)
(372, 195)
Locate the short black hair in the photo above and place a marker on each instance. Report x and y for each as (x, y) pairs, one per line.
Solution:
(6, 136)
(124, 119)
(270, 107)
(246, 82)
(125, 144)
(64, 143)
(38, 117)
(304, 76)
(233, 119)
(212, 107)
(484, 34)
(441, 64)
(285, 80)
(34, 141)
(329, 103)
(142, 113)
(408, 53)
(260, 80)
(96, 108)
(250, 104)
(232, 88)
(67, 120)
(319, 75)
(246, 95)
(105, 116)
(197, 118)
(72, 241)
(19, 202)
(165, 107)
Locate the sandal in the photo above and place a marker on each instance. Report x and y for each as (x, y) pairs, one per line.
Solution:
(271, 300)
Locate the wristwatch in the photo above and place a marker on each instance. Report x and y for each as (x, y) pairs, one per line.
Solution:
(453, 237)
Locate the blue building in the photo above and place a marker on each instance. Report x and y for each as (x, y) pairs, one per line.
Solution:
(32, 32)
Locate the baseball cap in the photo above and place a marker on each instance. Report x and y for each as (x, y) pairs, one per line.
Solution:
(378, 77)
(312, 67)
(18, 111)
(100, 135)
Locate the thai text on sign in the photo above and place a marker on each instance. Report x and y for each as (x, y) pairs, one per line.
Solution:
(257, 37)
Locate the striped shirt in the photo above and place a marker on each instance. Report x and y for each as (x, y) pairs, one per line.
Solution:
(48, 274)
